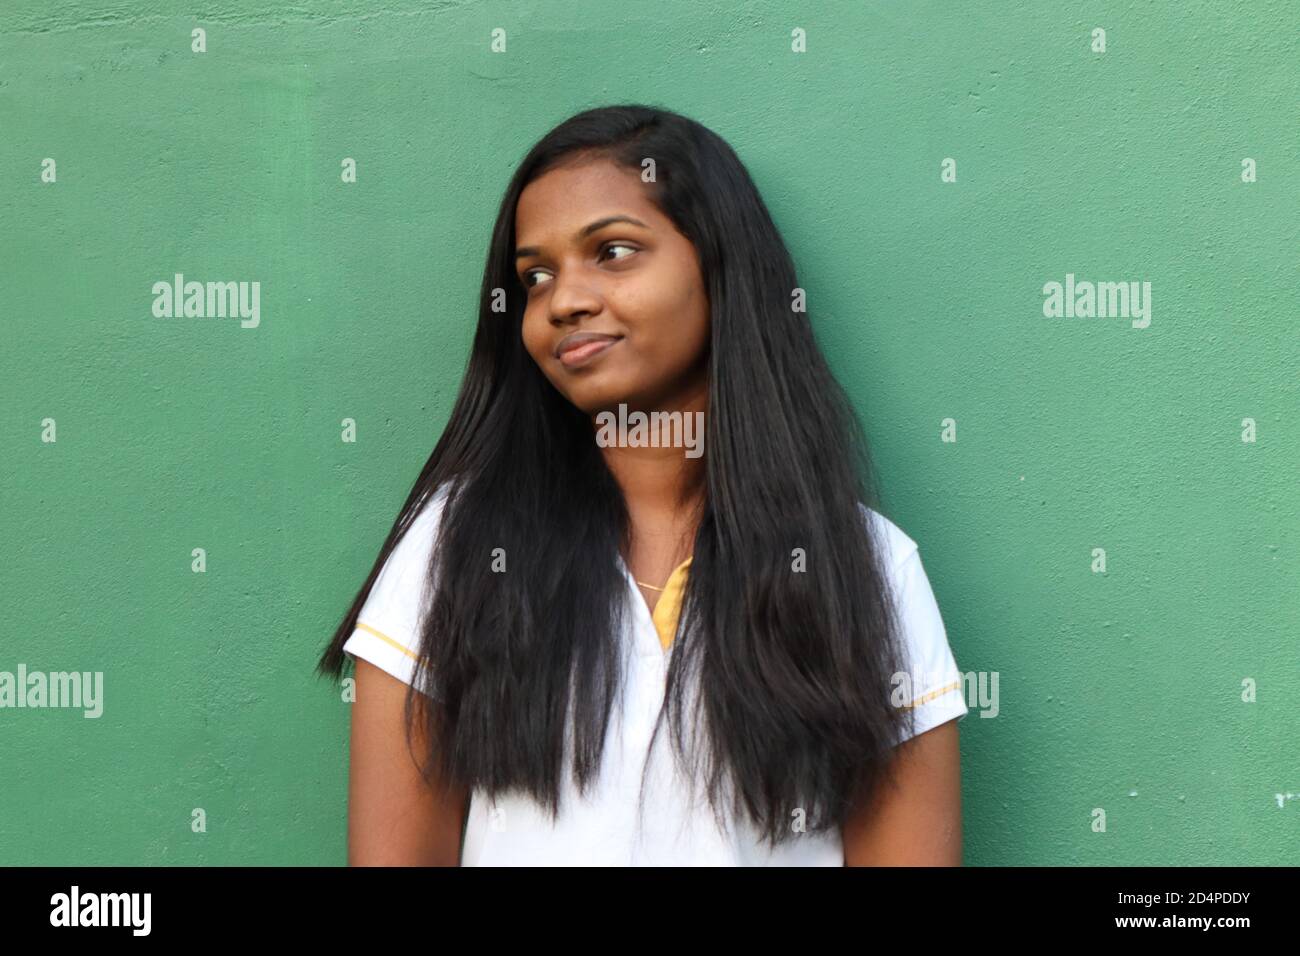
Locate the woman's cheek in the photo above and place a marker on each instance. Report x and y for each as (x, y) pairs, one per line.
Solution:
(532, 343)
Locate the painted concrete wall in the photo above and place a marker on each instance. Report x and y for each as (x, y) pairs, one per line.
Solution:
(1126, 691)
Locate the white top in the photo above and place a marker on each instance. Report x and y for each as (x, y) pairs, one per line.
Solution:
(602, 828)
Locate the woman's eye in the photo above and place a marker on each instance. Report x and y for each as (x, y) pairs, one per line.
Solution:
(613, 245)
(619, 245)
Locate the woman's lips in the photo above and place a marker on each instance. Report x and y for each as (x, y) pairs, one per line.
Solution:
(583, 347)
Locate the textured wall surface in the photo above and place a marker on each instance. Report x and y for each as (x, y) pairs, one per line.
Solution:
(1127, 691)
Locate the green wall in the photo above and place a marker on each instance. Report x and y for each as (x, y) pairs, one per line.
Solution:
(1119, 690)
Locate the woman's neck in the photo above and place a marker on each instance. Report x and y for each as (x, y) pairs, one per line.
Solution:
(663, 487)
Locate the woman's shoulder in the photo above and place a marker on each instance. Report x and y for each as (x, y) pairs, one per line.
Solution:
(896, 545)
(430, 512)
(387, 628)
(410, 556)
(933, 683)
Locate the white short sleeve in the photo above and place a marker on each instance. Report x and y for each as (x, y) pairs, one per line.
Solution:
(934, 684)
(387, 629)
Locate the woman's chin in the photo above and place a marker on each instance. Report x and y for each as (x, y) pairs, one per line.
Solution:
(591, 401)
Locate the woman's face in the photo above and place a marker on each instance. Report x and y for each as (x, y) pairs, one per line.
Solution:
(630, 289)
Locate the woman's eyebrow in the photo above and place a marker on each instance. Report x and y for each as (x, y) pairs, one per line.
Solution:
(583, 233)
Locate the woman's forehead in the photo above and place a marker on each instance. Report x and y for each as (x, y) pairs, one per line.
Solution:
(566, 197)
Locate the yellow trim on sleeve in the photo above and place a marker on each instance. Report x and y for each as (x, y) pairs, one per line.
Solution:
(926, 698)
(386, 639)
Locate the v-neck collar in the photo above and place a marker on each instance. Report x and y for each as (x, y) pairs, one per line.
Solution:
(647, 635)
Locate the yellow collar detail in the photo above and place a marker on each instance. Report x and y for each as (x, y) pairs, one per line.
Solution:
(668, 608)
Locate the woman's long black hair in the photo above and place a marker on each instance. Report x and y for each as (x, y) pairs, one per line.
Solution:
(792, 662)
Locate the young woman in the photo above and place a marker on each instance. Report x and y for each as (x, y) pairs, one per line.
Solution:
(573, 650)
